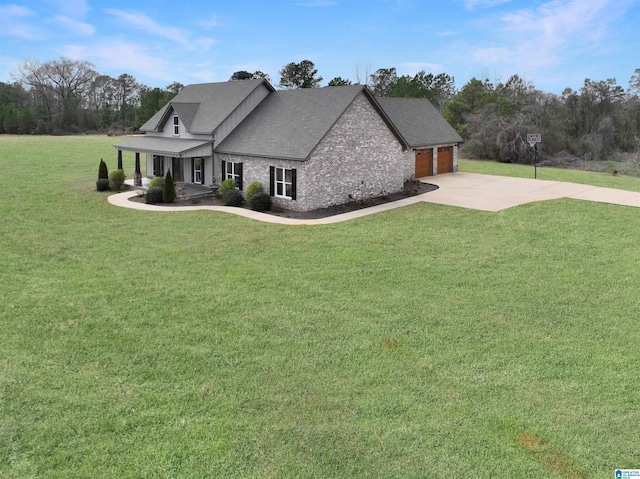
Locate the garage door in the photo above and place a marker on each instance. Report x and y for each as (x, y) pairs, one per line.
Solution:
(424, 163)
(445, 159)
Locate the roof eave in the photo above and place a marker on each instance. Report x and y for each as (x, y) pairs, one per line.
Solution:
(260, 155)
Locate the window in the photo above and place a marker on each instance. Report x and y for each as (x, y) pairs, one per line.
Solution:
(283, 183)
(232, 170)
(158, 165)
(176, 126)
(197, 170)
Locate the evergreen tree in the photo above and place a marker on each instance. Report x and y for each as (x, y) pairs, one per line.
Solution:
(299, 75)
(169, 189)
(103, 172)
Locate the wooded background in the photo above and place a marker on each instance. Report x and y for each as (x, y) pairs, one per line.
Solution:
(599, 122)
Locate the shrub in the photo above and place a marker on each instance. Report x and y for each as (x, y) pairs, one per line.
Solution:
(153, 195)
(233, 198)
(156, 181)
(169, 189)
(253, 188)
(260, 202)
(103, 172)
(117, 179)
(102, 184)
(225, 187)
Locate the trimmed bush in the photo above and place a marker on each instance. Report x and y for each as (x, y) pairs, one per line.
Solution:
(102, 184)
(169, 189)
(253, 188)
(233, 198)
(103, 172)
(153, 195)
(260, 202)
(225, 187)
(156, 181)
(117, 179)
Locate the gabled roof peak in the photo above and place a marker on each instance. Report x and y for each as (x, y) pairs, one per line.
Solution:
(214, 101)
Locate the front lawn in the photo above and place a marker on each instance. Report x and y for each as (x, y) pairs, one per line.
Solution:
(427, 341)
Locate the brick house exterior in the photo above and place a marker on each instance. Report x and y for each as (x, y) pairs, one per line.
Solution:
(310, 149)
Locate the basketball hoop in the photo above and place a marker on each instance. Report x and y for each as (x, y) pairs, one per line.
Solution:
(533, 138)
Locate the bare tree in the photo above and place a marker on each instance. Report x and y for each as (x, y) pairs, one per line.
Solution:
(634, 83)
(63, 86)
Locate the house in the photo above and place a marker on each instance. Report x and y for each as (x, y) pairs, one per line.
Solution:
(310, 148)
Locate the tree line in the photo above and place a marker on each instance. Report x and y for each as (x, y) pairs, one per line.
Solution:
(596, 122)
(67, 96)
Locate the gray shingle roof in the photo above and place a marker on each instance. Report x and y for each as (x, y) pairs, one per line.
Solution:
(166, 146)
(419, 121)
(187, 112)
(203, 107)
(289, 124)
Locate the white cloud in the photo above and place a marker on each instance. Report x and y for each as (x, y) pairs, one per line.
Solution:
(12, 23)
(73, 26)
(15, 11)
(472, 4)
(118, 56)
(547, 35)
(142, 22)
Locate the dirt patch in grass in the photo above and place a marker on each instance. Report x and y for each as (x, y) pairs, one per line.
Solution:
(554, 460)
(530, 441)
(390, 343)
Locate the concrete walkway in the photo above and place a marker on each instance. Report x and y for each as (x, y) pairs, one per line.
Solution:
(465, 190)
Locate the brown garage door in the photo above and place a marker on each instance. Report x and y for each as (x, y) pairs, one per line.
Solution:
(445, 159)
(424, 163)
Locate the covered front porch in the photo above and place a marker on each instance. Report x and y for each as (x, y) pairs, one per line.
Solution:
(189, 161)
(186, 191)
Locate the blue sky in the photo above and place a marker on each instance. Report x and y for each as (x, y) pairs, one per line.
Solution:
(553, 43)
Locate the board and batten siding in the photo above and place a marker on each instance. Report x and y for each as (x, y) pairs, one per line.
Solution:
(240, 113)
(167, 131)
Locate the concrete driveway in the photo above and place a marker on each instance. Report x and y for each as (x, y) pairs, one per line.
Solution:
(465, 190)
(495, 193)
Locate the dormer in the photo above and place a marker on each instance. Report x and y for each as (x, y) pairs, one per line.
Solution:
(210, 110)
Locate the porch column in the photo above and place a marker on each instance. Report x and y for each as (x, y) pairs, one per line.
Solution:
(137, 175)
(119, 159)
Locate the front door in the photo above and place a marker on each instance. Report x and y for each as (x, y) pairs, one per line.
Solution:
(197, 171)
(177, 169)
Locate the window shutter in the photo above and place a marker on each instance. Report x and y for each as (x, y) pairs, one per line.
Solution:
(193, 167)
(293, 183)
(224, 170)
(272, 181)
(202, 171)
(239, 173)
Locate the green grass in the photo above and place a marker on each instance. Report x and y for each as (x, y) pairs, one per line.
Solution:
(427, 341)
(622, 182)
